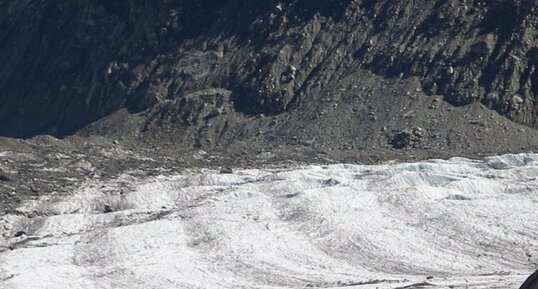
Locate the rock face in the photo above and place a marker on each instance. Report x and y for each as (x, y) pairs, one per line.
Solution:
(66, 64)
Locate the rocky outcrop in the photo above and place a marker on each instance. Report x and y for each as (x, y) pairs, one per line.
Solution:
(66, 64)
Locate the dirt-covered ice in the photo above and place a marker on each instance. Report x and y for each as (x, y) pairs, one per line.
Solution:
(459, 223)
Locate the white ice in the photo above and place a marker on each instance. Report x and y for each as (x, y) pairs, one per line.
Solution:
(459, 223)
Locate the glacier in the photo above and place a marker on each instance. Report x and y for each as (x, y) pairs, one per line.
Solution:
(456, 223)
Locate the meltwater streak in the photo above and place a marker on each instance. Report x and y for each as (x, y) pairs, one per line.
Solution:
(460, 223)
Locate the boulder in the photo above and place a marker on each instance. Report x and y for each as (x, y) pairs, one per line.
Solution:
(531, 282)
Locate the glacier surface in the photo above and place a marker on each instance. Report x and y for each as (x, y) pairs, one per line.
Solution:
(455, 223)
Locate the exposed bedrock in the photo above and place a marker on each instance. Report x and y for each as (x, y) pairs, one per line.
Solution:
(66, 64)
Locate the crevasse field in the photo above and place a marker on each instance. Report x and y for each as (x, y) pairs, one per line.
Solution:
(437, 224)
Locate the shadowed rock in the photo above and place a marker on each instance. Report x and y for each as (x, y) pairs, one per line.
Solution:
(66, 64)
(531, 282)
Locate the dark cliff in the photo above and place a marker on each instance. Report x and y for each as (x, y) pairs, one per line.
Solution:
(66, 64)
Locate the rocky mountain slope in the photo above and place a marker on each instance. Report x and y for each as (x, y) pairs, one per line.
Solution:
(67, 64)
